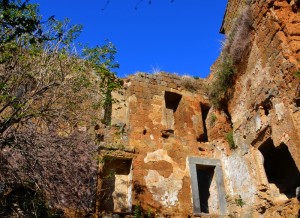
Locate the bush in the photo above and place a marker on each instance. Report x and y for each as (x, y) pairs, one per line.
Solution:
(229, 138)
(219, 88)
(240, 38)
(137, 212)
(234, 47)
(25, 201)
(213, 119)
(191, 84)
(239, 201)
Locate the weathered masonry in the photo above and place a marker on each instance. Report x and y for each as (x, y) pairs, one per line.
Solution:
(166, 153)
(162, 161)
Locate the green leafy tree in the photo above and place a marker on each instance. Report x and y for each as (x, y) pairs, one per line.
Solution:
(19, 18)
(47, 78)
(48, 88)
(102, 61)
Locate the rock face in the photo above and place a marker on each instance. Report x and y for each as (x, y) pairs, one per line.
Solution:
(169, 156)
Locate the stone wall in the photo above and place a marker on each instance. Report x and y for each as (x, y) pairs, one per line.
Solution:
(161, 150)
(159, 123)
(232, 12)
(264, 105)
(166, 128)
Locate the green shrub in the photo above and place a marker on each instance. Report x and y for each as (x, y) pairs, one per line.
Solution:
(239, 201)
(137, 212)
(25, 201)
(234, 47)
(223, 81)
(229, 138)
(212, 119)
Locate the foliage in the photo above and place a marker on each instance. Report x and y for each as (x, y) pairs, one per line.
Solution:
(190, 83)
(219, 88)
(235, 46)
(48, 79)
(48, 88)
(297, 74)
(62, 167)
(26, 201)
(212, 119)
(229, 138)
(239, 201)
(240, 37)
(17, 18)
(137, 213)
(102, 60)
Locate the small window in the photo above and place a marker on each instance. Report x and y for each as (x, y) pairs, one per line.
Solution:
(117, 185)
(267, 106)
(204, 111)
(172, 101)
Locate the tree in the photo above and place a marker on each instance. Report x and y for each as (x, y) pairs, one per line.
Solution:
(49, 92)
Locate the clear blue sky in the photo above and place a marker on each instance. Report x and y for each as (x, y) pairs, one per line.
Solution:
(181, 37)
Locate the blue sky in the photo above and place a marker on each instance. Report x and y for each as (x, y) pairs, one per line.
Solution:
(181, 37)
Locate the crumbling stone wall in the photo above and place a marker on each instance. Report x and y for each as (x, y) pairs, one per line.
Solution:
(160, 166)
(264, 105)
(160, 124)
(160, 152)
(232, 12)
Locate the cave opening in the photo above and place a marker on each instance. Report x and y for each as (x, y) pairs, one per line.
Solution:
(280, 167)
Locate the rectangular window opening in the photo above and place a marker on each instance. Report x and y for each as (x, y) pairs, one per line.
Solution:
(116, 188)
(172, 101)
(204, 111)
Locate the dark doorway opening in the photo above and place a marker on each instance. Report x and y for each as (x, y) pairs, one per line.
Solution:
(204, 177)
(280, 168)
(116, 182)
(204, 110)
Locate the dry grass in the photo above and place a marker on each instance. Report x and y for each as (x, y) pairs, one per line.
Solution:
(191, 84)
(233, 50)
(241, 35)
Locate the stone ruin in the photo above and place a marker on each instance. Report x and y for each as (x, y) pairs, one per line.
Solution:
(165, 153)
